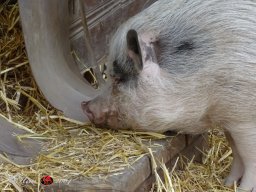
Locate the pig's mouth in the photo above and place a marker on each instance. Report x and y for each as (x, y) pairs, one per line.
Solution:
(108, 119)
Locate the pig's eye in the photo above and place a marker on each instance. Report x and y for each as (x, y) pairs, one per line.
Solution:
(118, 74)
(117, 68)
(185, 46)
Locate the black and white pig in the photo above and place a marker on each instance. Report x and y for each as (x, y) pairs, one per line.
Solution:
(186, 65)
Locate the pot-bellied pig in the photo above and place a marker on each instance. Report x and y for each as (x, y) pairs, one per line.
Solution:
(186, 65)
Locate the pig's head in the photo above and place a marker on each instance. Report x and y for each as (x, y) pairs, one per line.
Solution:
(121, 103)
(139, 94)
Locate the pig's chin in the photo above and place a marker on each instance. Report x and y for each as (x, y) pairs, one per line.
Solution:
(113, 126)
(111, 123)
(117, 125)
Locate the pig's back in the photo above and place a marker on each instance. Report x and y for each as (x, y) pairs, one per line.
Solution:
(194, 33)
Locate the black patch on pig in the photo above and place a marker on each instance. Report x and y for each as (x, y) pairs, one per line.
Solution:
(175, 56)
(118, 71)
(124, 72)
(185, 46)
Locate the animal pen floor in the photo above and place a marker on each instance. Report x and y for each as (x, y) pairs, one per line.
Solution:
(83, 158)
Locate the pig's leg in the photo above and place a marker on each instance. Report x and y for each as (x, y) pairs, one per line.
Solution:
(237, 167)
(244, 136)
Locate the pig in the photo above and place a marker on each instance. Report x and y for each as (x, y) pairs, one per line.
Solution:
(186, 65)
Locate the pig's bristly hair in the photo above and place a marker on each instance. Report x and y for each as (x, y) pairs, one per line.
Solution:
(220, 42)
(206, 74)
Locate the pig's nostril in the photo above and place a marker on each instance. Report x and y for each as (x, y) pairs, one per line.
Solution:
(85, 103)
(85, 106)
(87, 111)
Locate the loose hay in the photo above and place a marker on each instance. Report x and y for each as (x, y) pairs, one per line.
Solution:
(73, 149)
(209, 175)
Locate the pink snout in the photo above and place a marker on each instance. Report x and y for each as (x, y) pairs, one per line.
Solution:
(99, 114)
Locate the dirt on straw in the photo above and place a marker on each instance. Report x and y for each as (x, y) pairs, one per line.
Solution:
(74, 149)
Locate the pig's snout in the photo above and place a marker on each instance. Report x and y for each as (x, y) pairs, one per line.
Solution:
(87, 111)
(100, 114)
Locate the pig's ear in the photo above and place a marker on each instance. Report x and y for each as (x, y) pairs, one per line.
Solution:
(134, 50)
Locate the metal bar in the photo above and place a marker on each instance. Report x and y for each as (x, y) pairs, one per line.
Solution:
(88, 43)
